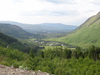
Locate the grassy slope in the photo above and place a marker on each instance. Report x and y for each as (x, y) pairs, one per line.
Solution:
(14, 31)
(87, 34)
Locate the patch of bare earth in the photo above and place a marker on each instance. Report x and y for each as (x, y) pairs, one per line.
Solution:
(5, 70)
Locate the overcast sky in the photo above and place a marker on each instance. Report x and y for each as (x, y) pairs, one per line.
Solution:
(70, 12)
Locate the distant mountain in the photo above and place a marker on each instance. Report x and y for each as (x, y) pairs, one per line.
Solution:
(11, 22)
(49, 28)
(14, 31)
(87, 34)
(44, 27)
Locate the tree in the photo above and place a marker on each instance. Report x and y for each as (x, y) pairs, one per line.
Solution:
(31, 54)
(42, 54)
(94, 52)
(67, 53)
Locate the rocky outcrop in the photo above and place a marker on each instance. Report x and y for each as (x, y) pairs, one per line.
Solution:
(5, 70)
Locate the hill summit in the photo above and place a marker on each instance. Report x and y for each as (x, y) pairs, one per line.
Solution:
(14, 31)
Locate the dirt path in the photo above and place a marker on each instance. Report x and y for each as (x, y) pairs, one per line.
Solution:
(5, 70)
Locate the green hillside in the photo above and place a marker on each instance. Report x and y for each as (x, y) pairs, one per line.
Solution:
(5, 40)
(14, 31)
(87, 34)
(10, 42)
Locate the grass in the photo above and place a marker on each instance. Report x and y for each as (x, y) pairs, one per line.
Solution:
(86, 35)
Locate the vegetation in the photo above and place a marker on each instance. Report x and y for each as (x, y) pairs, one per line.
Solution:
(54, 34)
(85, 35)
(10, 42)
(15, 31)
(57, 61)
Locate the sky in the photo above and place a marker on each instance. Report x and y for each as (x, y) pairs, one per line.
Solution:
(69, 12)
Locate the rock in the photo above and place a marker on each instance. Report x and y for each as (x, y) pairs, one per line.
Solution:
(5, 70)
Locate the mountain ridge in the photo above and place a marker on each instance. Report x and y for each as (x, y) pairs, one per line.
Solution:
(44, 27)
(85, 35)
(15, 31)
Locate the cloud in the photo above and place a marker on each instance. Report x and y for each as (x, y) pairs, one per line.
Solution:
(96, 2)
(61, 1)
(52, 11)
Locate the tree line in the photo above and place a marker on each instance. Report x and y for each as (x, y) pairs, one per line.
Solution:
(58, 61)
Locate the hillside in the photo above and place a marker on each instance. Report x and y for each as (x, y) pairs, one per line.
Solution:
(87, 34)
(5, 40)
(14, 31)
(10, 42)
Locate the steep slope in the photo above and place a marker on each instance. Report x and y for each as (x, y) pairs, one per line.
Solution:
(87, 34)
(14, 31)
(5, 40)
(10, 42)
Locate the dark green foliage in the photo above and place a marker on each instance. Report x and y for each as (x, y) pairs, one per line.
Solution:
(31, 54)
(42, 54)
(7, 39)
(77, 53)
(94, 52)
(11, 57)
(10, 42)
(67, 53)
(56, 61)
